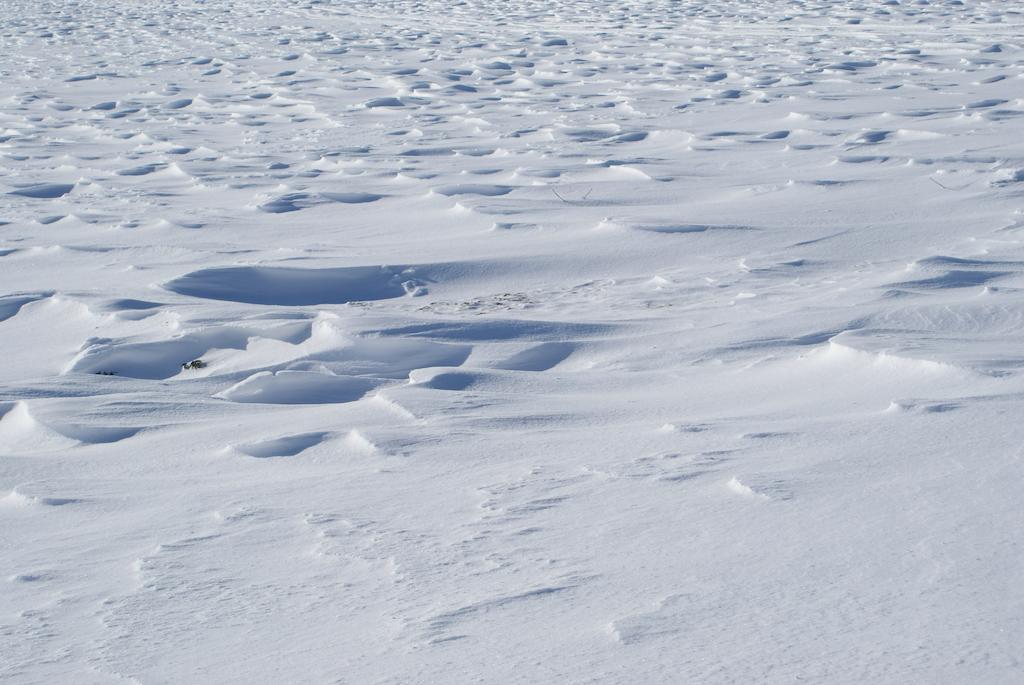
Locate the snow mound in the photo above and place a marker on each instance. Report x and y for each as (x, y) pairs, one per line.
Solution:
(298, 387)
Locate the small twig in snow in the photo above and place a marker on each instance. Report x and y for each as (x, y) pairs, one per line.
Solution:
(946, 187)
(573, 202)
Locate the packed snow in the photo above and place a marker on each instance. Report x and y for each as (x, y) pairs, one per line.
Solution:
(511, 342)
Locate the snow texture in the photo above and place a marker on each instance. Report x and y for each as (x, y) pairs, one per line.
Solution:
(538, 342)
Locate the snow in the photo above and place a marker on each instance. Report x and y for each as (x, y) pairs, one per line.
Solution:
(575, 342)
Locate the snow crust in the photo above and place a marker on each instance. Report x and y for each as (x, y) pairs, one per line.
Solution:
(538, 342)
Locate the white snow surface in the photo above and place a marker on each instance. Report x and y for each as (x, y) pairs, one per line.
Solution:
(542, 342)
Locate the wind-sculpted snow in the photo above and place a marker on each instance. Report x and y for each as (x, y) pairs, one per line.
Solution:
(290, 286)
(511, 342)
(297, 387)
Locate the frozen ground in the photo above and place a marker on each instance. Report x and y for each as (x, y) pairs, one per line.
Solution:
(544, 342)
